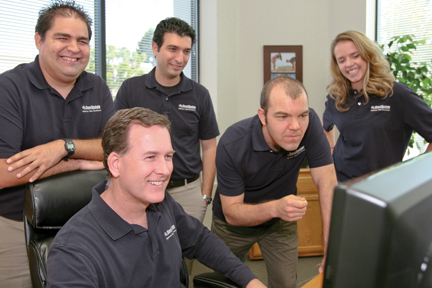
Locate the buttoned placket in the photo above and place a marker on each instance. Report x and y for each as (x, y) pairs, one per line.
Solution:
(358, 111)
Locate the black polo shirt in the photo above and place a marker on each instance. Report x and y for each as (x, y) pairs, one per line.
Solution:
(189, 108)
(97, 248)
(246, 164)
(375, 135)
(32, 113)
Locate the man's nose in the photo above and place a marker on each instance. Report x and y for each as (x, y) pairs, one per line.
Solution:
(73, 47)
(163, 167)
(294, 124)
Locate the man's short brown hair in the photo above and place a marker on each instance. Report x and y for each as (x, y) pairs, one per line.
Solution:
(61, 8)
(292, 87)
(116, 132)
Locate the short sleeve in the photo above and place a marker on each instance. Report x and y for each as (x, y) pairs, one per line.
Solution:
(120, 100)
(62, 269)
(417, 114)
(12, 131)
(328, 122)
(208, 127)
(317, 147)
(230, 182)
(109, 109)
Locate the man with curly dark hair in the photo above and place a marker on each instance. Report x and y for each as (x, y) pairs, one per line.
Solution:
(188, 105)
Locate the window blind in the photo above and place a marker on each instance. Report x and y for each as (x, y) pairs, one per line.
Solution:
(402, 17)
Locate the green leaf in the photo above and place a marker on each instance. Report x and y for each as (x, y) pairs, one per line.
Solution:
(399, 67)
(411, 142)
(411, 46)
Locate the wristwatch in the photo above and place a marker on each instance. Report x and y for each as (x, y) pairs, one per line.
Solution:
(70, 147)
(208, 199)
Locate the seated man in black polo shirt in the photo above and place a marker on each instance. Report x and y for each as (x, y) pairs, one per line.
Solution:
(50, 109)
(132, 233)
(258, 163)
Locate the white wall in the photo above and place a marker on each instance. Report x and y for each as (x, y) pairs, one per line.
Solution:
(232, 35)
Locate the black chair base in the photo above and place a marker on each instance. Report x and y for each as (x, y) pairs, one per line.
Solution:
(213, 280)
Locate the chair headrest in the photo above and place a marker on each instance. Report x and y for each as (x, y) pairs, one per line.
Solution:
(50, 202)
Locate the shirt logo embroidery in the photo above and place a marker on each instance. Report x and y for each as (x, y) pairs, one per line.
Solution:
(295, 153)
(187, 107)
(91, 108)
(385, 108)
(170, 232)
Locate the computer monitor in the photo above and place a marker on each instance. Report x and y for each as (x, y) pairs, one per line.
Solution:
(381, 229)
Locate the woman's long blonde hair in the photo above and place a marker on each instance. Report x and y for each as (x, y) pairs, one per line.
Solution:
(378, 80)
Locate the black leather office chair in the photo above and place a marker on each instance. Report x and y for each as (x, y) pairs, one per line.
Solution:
(49, 203)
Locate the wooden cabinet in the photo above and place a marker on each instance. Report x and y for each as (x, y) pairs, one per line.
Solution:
(316, 282)
(255, 252)
(309, 228)
(310, 233)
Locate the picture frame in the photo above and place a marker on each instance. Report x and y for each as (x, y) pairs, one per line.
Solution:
(283, 60)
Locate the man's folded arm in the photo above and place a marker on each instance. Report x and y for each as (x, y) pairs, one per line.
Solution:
(46, 160)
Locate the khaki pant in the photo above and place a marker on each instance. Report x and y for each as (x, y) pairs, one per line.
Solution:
(14, 267)
(278, 244)
(190, 198)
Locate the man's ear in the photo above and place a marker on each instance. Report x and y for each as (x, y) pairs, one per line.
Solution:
(113, 164)
(155, 49)
(262, 116)
(38, 40)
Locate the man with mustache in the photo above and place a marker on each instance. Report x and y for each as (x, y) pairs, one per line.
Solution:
(258, 163)
(52, 114)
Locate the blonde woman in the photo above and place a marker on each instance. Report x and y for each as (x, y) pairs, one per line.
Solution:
(374, 114)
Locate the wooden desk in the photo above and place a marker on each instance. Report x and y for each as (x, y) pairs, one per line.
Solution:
(309, 228)
(316, 282)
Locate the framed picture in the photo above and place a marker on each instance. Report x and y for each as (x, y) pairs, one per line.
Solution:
(283, 61)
